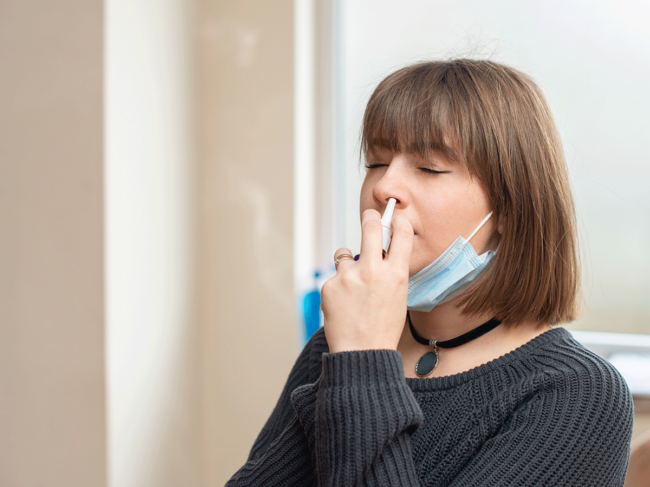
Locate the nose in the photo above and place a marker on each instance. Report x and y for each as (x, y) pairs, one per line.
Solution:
(392, 184)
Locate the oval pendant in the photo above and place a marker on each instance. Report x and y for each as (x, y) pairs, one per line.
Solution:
(426, 364)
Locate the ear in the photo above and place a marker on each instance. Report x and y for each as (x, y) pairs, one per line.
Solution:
(501, 221)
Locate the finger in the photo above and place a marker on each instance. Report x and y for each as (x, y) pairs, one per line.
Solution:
(343, 261)
(401, 244)
(371, 235)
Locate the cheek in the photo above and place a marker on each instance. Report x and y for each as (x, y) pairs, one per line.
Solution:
(437, 212)
(424, 252)
(442, 218)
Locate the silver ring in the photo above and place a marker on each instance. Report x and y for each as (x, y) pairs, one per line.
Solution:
(337, 261)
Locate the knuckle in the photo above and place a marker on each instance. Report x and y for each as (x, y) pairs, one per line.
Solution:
(370, 214)
(391, 274)
(402, 227)
(341, 251)
(371, 226)
(348, 279)
(353, 282)
(372, 272)
(404, 232)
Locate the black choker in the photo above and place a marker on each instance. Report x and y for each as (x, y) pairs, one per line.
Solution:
(429, 361)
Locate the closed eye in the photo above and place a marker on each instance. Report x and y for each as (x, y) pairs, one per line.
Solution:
(432, 171)
(423, 169)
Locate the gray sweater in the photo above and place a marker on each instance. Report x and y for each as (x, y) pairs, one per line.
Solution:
(548, 413)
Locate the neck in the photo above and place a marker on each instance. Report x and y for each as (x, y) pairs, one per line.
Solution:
(445, 321)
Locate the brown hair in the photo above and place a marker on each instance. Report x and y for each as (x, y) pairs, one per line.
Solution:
(493, 120)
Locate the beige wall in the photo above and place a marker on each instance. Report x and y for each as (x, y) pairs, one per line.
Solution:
(52, 421)
(245, 178)
(52, 409)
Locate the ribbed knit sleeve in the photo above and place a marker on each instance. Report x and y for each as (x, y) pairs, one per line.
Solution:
(285, 462)
(281, 454)
(363, 416)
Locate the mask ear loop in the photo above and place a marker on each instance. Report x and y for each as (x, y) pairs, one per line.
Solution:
(479, 226)
(458, 292)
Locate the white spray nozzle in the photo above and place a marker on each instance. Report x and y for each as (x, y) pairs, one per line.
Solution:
(385, 223)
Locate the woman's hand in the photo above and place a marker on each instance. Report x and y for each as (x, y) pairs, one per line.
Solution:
(365, 303)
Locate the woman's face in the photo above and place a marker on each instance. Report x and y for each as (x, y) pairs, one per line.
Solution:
(440, 199)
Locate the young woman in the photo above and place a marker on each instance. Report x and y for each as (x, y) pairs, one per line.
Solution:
(438, 364)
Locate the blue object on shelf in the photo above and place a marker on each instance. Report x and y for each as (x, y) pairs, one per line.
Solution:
(311, 309)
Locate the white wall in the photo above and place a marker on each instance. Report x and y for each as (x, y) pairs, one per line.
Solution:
(592, 59)
(152, 408)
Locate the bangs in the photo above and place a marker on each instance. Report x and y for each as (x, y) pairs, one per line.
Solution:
(411, 111)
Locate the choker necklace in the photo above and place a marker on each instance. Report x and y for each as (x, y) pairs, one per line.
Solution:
(429, 361)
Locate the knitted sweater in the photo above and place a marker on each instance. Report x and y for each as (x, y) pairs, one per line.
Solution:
(548, 413)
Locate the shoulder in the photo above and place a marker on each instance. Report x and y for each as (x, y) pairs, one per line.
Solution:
(570, 365)
(583, 385)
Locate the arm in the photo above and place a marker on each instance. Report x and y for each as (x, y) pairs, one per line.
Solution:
(358, 420)
(285, 462)
(280, 454)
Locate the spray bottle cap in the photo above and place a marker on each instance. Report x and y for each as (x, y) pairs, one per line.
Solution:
(385, 223)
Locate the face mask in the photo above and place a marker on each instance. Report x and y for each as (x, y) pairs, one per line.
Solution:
(447, 276)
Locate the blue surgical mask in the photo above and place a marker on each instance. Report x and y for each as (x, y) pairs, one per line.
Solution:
(449, 275)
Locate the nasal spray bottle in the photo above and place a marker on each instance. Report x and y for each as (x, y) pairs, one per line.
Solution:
(385, 223)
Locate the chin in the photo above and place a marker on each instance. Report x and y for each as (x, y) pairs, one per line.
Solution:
(417, 266)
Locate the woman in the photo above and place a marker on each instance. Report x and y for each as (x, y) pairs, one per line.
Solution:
(438, 364)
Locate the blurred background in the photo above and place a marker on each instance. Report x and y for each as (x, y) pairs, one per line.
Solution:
(176, 175)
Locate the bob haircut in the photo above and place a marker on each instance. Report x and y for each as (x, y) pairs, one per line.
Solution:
(493, 120)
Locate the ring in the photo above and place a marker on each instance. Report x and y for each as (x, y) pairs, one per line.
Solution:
(337, 261)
